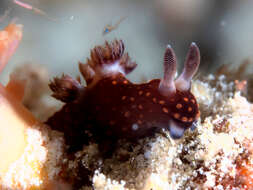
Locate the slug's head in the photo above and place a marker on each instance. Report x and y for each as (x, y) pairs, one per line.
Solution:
(183, 105)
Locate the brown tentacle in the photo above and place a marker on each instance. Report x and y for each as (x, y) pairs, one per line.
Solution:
(110, 53)
(66, 89)
(183, 82)
(167, 86)
(127, 64)
(87, 72)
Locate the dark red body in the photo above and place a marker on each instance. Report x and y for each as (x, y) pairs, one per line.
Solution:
(115, 108)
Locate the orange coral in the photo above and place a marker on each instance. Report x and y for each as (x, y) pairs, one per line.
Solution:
(245, 176)
(9, 40)
(14, 118)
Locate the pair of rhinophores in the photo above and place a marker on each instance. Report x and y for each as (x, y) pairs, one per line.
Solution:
(112, 107)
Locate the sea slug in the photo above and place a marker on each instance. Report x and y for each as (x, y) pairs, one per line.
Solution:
(112, 107)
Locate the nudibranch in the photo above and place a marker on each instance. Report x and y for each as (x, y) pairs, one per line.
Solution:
(111, 106)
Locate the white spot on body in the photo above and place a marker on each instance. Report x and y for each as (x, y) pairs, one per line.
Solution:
(135, 127)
